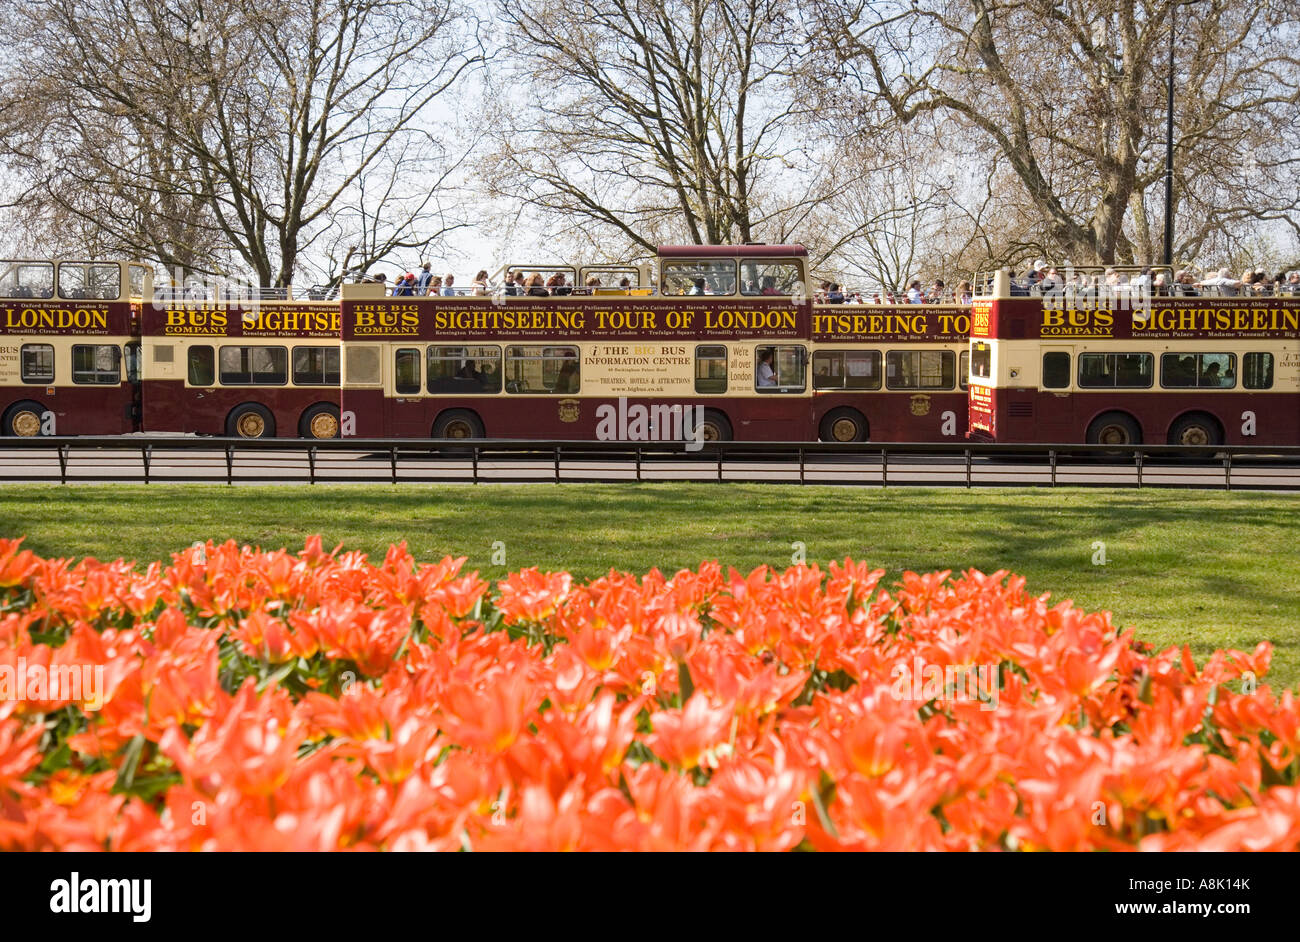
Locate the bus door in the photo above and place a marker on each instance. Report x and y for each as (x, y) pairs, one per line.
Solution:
(407, 413)
(135, 414)
(1054, 410)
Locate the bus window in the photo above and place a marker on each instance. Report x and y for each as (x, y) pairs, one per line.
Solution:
(535, 369)
(774, 278)
(779, 369)
(315, 366)
(981, 363)
(699, 277)
(1056, 370)
(1205, 370)
(254, 366)
(96, 364)
(1257, 371)
(406, 372)
(710, 369)
(27, 280)
(1120, 370)
(98, 282)
(963, 369)
(470, 370)
(135, 281)
(920, 369)
(202, 367)
(38, 363)
(133, 362)
(846, 369)
(1218, 370)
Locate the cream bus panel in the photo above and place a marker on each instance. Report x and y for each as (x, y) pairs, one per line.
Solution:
(48, 361)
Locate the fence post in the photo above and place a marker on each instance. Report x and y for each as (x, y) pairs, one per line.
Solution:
(145, 456)
(557, 464)
(392, 462)
(884, 467)
(474, 463)
(230, 463)
(311, 465)
(720, 449)
(63, 464)
(1227, 470)
(638, 462)
(968, 467)
(1052, 455)
(801, 478)
(1138, 455)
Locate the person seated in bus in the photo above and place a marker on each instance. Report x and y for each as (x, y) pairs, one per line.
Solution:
(425, 277)
(1184, 285)
(766, 375)
(769, 285)
(537, 286)
(469, 370)
(1053, 282)
(914, 293)
(448, 286)
(1222, 283)
(510, 287)
(1210, 376)
(592, 285)
(566, 381)
(1293, 283)
(479, 288)
(965, 293)
(834, 294)
(697, 287)
(626, 283)
(435, 286)
(404, 286)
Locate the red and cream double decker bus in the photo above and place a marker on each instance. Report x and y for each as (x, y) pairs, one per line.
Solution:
(729, 337)
(69, 347)
(1119, 367)
(242, 367)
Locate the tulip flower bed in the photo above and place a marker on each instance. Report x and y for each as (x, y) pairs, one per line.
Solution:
(319, 701)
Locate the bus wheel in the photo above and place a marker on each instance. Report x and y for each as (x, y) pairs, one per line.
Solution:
(23, 419)
(1114, 428)
(457, 423)
(715, 426)
(251, 421)
(843, 425)
(320, 421)
(1196, 429)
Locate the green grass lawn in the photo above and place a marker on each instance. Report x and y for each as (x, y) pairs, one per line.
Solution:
(1209, 569)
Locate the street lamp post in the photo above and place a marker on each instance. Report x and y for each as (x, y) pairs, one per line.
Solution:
(1169, 149)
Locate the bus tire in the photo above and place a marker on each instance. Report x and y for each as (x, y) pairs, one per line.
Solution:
(320, 421)
(250, 420)
(843, 425)
(1196, 428)
(1114, 428)
(23, 419)
(715, 427)
(457, 423)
